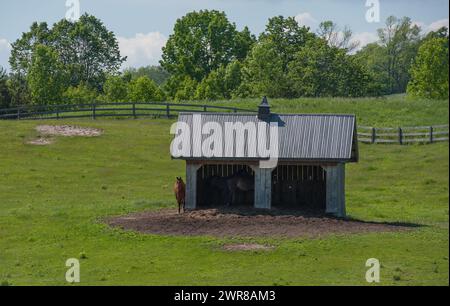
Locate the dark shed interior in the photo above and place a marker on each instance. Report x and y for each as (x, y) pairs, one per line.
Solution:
(299, 186)
(212, 189)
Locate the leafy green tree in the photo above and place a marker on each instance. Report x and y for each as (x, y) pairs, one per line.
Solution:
(81, 94)
(373, 58)
(232, 78)
(212, 87)
(156, 73)
(143, 89)
(46, 78)
(115, 89)
(186, 90)
(286, 38)
(429, 74)
(244, 42)
(401, 39)
(202, 42)
(220, 83)
(5, 98)
(18, 90)
(87, 49)
(320, 70)
(22, 49)
(389, 60)
(263, 72)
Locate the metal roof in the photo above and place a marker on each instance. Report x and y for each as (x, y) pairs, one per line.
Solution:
(301, 137)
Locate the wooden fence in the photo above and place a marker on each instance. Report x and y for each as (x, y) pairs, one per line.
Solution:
(97, 110)
(403, 135)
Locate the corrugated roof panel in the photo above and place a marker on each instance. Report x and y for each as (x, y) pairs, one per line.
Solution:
(301, 136)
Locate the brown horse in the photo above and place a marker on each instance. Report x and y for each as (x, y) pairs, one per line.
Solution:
(180, 193)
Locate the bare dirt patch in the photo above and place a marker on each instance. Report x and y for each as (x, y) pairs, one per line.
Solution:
(40, 141)
(244, 223)
(67, 131)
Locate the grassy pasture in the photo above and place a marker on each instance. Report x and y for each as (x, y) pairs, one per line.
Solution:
(388, 111)
(53, 198)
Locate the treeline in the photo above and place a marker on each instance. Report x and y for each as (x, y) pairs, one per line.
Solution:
(207, 58)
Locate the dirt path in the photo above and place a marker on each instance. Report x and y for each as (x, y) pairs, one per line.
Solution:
(250, 223)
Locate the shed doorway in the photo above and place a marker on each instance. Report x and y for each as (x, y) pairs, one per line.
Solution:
(299, 187)
(212, 190)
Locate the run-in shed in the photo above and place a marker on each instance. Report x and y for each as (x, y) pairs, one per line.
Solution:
(312, 152)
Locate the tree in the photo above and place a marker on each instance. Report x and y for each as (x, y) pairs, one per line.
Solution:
(320, 70)
(330, 32)
(5, 98)
(144, 89)
(22, 49)
(202, 42)
(286, 38)
(374, 58)
(400, 39)
(263, 72)
(81, 94)
(46, 78)
(18, 90)
(156, 73)
(429, 73)
(186, 90)
(115, 89)
(220, 83)
(88, 51)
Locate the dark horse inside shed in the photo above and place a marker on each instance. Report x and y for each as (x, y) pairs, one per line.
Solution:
(225, 186)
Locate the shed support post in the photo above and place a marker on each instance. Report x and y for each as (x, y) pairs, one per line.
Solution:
(263, 187)
(191, 185)
(335, 189)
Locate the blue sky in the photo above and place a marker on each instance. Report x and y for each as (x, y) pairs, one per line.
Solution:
(142, 27)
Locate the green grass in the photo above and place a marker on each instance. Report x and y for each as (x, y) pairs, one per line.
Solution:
(52, 200)
(388, 111)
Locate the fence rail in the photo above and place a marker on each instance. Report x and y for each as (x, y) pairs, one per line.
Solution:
(97, 110)
(400, 135)
(403, 135)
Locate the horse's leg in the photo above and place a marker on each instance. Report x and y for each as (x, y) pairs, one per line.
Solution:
(179, 207)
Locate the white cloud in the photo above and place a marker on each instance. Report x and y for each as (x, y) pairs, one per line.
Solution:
(436, 25)
(364, 38)
(4, 45)
(306, 19)
(142, 49)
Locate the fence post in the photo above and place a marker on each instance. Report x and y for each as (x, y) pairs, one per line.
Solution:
(204, 108)
(431, 134)
(374, 135)
(57, 112)
(235, 110)
(168, 111)
(93, 111)
(18, 112)
(134, 110)
(400, 135)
